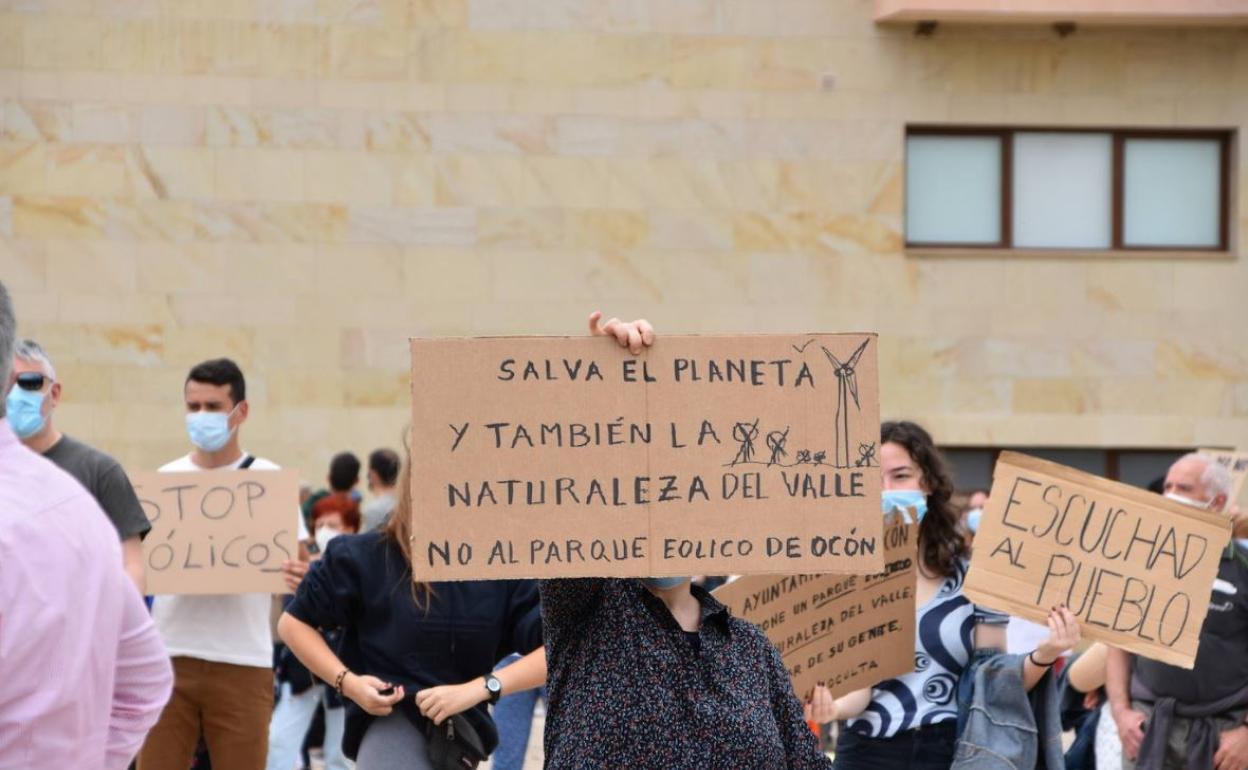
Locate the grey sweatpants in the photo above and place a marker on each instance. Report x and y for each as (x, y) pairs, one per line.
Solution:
(393, 743)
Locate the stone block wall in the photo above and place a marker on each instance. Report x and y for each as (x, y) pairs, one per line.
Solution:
(304, 184)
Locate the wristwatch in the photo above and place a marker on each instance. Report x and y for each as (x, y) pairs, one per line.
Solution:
(494, 687)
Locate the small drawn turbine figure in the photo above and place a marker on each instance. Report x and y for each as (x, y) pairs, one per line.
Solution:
(846, 385)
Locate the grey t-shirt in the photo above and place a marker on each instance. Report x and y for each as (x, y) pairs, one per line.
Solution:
(377, 511)
(1222, 660)
(106, 481)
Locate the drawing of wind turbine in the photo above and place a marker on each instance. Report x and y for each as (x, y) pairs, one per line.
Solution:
(846, 385)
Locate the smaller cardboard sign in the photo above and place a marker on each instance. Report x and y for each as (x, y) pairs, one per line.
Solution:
(848, 632)
(218, 532)
(1237, 464)
(1133, 566)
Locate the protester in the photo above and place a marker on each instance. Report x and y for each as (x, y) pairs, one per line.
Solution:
(383, 474)
(400, 636)
(222, 645)
(85, 673)
(911, 721)
(299, 693)
(1169, 717)
(657, 673)
(344, 475)
(32, 399)
(974, 511)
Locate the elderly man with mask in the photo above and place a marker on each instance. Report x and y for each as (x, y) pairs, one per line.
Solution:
(1171, 718)
(31, 402)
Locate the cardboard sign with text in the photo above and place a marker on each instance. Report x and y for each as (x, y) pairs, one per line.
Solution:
(845, 631)
(1237, 464)
(563, 457)
(218, 532)
(1136, 568)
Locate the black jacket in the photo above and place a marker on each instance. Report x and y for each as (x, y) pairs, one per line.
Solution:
(363, 585)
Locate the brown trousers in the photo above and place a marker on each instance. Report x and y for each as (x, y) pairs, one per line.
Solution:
(230, 704)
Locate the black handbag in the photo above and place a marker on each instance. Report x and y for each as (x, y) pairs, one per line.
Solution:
(455, 744)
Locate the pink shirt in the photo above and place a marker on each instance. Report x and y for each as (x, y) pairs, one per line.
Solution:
(83, 673)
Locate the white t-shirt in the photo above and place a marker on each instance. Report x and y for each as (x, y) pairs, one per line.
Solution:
(222, 628)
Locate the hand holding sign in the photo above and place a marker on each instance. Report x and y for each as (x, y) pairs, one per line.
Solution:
(1064, 634)
(633, 335)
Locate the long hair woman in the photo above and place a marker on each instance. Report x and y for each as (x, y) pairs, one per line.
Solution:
(412, 655)
(911, 721)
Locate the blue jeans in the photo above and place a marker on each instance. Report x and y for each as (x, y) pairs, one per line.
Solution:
(291, 718)
(513, 716)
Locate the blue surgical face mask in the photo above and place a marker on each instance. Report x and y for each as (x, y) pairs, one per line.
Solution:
(25, 411)
(972, 519)
(209, 431)
(664, 583)
(904, 498)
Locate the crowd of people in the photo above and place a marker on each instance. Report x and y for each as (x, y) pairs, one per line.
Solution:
(646, 673)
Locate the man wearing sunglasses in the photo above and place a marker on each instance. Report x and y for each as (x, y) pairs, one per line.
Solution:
(31, 401)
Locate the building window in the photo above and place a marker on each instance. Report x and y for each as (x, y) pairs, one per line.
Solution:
(972, 467)
(1069, 189)
(953, 189)
(1172, 193)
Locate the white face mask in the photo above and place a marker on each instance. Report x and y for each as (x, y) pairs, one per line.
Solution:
(324, 535)
(1187, 501)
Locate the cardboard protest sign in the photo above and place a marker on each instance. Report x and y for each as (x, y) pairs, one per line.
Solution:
(560, 457)
(218, 532)
(1136, 568)
(1237, 464)
(845, 631)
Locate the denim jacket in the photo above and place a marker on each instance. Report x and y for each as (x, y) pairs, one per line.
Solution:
(1000, 725)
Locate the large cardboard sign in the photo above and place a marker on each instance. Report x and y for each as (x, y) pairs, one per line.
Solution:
(1136, 568)
(1237, 464)
(561, 457)
(218, 532)
(844, 631)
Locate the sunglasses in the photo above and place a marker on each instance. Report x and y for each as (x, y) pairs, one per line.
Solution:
(32, 380)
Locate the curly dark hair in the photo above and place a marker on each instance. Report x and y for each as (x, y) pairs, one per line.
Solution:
(220, 371)
(940, 543)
